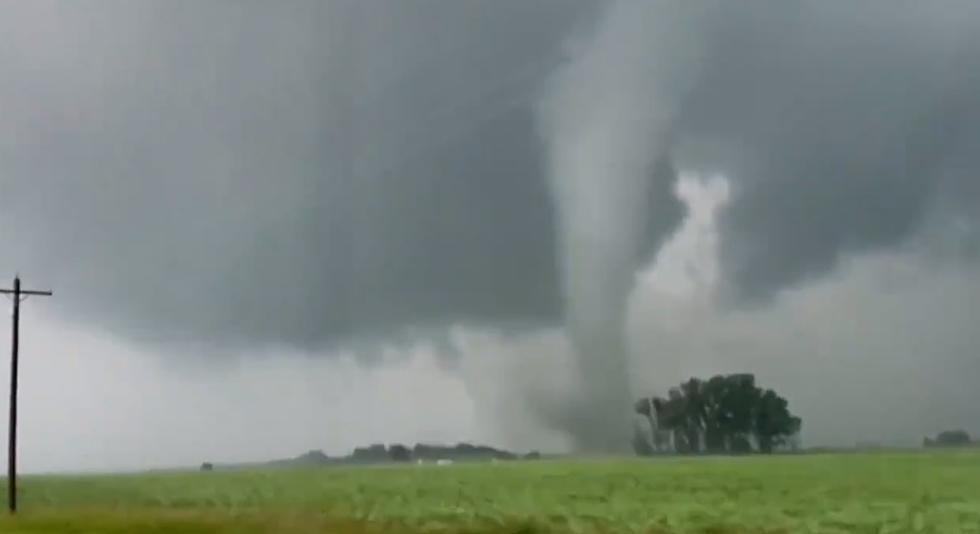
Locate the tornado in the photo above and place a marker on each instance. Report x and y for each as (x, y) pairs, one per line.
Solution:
(605, 119)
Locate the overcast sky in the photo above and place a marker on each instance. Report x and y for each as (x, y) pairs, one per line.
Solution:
(274, 227)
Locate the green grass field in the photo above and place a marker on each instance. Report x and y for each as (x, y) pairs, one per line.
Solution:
(866, 493)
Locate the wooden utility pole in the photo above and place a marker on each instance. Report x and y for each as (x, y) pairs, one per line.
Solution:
(19, 295)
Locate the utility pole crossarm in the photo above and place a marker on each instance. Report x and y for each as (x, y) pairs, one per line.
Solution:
(27, 292)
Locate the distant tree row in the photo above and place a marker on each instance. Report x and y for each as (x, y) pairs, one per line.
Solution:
(725, 414)
(949, 438)
(401, 453)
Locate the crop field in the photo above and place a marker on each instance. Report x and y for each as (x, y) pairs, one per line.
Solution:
(866, 493)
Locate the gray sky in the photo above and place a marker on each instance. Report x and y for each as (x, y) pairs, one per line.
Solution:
(229, 193)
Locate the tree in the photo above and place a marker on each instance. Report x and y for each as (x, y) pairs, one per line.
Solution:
(659, 435)
(692, 392)
(741, 404)
(672, 415)
(774, 424)
(722, 414)
(715, 414)
(641, 443)
(399, 453)
(949, 438)
(374, 453)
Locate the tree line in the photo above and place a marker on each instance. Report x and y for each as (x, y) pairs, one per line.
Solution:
(427, 452)
(950, 438)
(724, 414)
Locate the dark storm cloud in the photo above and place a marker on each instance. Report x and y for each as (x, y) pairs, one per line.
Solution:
(300, 171)
(284, 172)
(842, 126)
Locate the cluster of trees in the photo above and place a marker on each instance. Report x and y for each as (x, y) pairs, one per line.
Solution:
(401, 453)
(949, 438)
(725, 414)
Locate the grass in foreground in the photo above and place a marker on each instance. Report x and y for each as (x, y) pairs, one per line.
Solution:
(868, 493)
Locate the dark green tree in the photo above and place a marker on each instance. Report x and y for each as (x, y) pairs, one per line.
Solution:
(714, 397)
(692, 392)
(741, 403)
(400, 453)
(774, 424)
(949, 438)
(723, 414)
